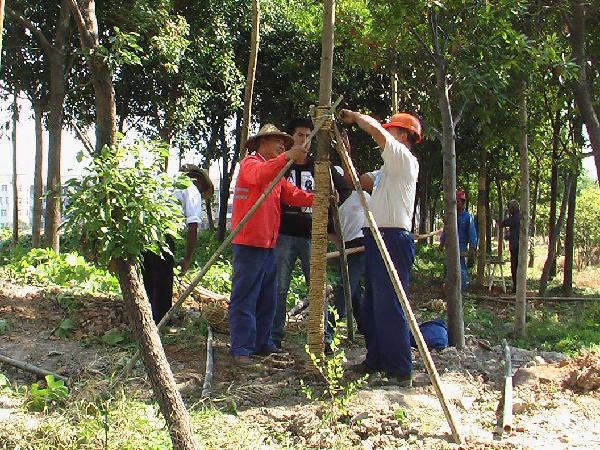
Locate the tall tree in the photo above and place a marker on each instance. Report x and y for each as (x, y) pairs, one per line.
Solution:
(55, 50)
(15, 199)
(136, 302)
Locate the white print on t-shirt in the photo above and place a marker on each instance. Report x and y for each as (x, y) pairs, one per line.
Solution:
(292, 178)
(307, 184)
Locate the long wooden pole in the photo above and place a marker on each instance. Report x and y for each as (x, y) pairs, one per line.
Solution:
(222, 247)
(1, 27)
(30, 368)
(250, 76)
(412, 321)
(321, 200)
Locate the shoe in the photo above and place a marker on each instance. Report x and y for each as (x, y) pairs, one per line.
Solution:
(362, 369)
(404, 381)
(241, 360)
(270, 351)
(328, 350)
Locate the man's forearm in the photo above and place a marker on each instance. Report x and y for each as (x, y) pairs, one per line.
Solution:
(190, 245)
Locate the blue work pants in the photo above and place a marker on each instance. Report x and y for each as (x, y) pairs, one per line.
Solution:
(287, 251)
(252, 301)
(384, 325)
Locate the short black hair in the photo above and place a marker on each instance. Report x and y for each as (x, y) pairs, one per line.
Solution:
(298, 122)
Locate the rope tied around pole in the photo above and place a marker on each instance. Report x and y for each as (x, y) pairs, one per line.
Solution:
(324, 116)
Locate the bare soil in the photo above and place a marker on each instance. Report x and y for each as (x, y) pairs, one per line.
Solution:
(556, 400)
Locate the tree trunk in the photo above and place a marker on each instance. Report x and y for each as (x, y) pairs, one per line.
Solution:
(481, 216)
(536, 189)
(500, 217)
(1, 27)
(424, 208)
(556, 126)
(254, 43)
(38, 184)
(157, 366)
(569, 241)
(225, 183)
(15, 217)
(153, 356)
(456, 326)
(318, 260)
(581, 87)
(552, 244)
(521, 291)
(394, 92)
(488, 217)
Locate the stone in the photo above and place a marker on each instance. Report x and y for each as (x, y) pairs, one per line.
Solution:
(519, 405)
(421, 380)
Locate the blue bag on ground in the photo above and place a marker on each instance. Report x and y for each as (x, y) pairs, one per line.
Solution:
(435, 334)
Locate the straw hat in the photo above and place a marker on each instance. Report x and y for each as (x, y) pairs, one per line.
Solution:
(196, 172)
(253, 142)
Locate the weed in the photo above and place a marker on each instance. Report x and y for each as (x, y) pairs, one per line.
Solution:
(4, 326)
(4, 383)
(400, 415)
(41, 399)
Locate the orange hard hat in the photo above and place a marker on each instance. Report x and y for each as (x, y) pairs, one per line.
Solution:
(407, 121)
(460, 195)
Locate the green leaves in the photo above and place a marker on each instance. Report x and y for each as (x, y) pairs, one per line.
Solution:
(124, 205)
(54, 394)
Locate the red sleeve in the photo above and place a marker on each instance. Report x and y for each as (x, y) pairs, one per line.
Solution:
(259, 172)
(293, 196)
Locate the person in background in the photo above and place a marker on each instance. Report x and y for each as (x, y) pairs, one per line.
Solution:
(157, 270)
(467, 236)
(513, 223)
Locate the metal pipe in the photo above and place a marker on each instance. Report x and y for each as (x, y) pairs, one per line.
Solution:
(507, 407)
(208, 375)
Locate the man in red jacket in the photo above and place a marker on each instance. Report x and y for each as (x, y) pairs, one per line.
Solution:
(253, 291)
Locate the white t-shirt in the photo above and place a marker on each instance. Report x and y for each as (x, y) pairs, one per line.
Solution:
(395, 185)
(352, 216)
(191, 203)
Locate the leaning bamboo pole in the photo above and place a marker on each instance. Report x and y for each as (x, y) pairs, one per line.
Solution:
(402, 298)
(315, 329)
(223, 245)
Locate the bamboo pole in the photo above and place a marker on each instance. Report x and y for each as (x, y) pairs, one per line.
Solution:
(30, 368)
(1, 27)
(222, 247)
(250, 76)
(343, 268)
(402, 298)
(507, 406)
(318, 262)
(208, 374)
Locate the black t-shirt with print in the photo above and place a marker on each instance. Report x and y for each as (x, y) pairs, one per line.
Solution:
(297, 221)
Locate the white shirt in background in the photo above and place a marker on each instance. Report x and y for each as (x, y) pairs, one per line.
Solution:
(352, 216)
(191, 203)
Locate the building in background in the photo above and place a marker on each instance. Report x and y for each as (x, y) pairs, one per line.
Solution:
(25, 200)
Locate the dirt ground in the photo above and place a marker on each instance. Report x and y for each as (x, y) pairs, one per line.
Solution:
(556, 400)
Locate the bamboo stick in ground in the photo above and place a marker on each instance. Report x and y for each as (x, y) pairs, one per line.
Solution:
(402, 298)
(30, 368)
(208, 374)
(507, 410)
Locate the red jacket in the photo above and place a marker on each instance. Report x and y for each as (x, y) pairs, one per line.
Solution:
(255, 175)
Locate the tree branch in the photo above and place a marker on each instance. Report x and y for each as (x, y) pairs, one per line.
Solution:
(86, 37)
(37, 34)
(431, 129)
(421, 42)
(459, 114)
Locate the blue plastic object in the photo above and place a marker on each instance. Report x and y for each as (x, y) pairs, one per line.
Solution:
(435, 334)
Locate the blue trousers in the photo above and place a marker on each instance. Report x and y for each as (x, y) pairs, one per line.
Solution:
(287, 251)
(464, 274)
(384, 325)
(252, 301)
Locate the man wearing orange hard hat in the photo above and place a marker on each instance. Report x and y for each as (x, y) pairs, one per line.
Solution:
(384, 325)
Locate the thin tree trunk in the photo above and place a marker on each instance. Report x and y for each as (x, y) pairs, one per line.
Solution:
(15, 218)
(488, 218)
(1, 26)
(552, 244)
(556, 126)
(394, 92)
(533, 230)
(153, 356)
(157, 366)
(318, 259)
(521, 291)
(254, 43)
(581, 87)
(481, 216)
(500, 217)
(569, 241)
(225, 184)
(456, 327)
(38, 184)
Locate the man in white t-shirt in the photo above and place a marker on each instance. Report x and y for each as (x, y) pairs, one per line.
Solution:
(157, 270)
(384, 325)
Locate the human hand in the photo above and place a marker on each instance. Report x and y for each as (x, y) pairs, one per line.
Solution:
(184, 265)
(297, 153)
(347, 116)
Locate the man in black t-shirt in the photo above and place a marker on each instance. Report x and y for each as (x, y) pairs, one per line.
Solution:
(295, 228)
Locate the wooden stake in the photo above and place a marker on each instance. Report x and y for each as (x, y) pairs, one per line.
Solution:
(412, 321)
(31, 368)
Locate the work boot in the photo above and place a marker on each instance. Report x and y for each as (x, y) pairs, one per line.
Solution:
(241, 360)
(270, 351)
(403, 381)
(362, 369)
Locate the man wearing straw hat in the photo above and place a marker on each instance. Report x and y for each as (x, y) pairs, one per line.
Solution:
(253, 290)
(158, 269)
(384, 325)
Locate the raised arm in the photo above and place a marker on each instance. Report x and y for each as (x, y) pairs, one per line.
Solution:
(367, 124)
